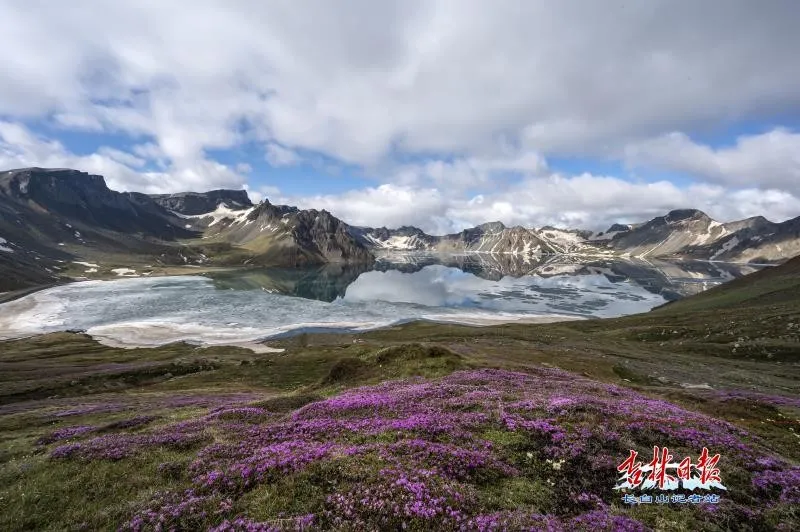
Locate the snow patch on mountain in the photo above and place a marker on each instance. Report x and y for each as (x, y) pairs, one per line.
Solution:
(4, 247)
(397, 242)
(714, 232)
(223, 212)
(726, 247)
(562, 240)
(90, 267)
(550, 270)
(600, 237)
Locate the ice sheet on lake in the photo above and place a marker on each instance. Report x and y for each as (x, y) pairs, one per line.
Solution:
(155, 311)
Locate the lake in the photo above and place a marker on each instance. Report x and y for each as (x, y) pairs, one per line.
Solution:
(243, 306)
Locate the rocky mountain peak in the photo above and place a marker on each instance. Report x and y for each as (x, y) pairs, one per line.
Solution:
(409, 230)
(68, 193)
(680, 215)
(268, 210)
(618, 228)
(328, 237)
(754, 223)
(491, 227)
(194, 203)
(58, 183)
(72, 205)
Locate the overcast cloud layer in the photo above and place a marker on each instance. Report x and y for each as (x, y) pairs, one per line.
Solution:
(454, 108)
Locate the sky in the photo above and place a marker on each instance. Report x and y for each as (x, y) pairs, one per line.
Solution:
(442, 114)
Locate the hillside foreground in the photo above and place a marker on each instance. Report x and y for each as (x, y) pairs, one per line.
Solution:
(418, 427)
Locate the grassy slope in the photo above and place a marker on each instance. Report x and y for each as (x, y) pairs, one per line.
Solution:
(777, 285)
(743, 336)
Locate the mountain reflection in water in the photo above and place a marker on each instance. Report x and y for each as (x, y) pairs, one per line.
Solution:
(248, 305)
(670, 280)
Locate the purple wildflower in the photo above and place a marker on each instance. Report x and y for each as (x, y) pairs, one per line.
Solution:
(65, 433)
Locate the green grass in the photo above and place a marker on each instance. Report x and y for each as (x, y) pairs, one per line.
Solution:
(741, 336)
(36, 495)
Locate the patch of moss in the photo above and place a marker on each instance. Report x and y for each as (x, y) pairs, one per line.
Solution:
(287, 403)
(513, 493)
(346, 370)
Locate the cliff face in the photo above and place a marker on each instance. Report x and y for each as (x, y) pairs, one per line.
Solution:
(194, 203)
(670, 234)
(51, 218)
(283, 235)
(328, 237)
(491, 237)
(687, 233)
(84, 199)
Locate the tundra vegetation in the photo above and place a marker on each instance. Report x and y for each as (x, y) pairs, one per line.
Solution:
(418, 427)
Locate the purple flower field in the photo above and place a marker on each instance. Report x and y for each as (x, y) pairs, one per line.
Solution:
(774, 400)
(483, 450)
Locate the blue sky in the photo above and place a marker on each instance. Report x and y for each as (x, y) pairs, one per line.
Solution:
(425, 112)
(320, 174)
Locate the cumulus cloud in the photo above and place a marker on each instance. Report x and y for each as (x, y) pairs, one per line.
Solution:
(19, 148)
(268, 193)
(585, 201)
(455, 106)
(770, 159)
(419, 76)
(467, 173)
(277, 155)
(540, 198)
(385, 205)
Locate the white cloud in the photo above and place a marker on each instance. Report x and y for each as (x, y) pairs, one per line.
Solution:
(770, 159)
(272, 194)
(427, 199)
(467, 173)
(433, 76)
(277, 155)
(78, 121)
(388, 204)
(20, 148)
(584, 201)
(437, 99)
(122, 157)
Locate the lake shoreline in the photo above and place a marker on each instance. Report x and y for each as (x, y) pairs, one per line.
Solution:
(455, 308)
(261, 345)
(177, 271)
(67, 401)
(8, 297)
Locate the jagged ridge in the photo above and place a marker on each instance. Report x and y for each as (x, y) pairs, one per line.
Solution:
(194, 203)
(50, 218)
(680, 233)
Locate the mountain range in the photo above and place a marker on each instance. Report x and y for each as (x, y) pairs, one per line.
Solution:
(63, 223)
(684, 233)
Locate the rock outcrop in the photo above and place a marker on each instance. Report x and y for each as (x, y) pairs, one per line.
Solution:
(51, 218)
(282, 235)
(194, 203)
